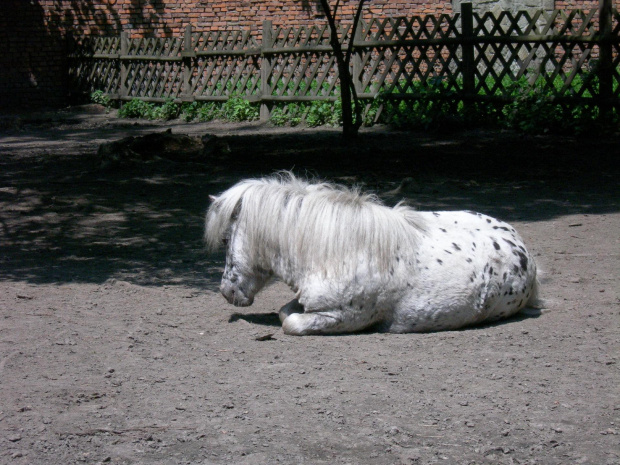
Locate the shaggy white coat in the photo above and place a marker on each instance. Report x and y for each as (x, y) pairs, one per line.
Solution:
(354, 262)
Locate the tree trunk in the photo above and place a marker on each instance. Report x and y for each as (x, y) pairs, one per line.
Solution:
(348, 96)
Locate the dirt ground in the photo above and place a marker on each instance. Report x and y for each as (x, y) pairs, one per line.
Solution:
(116, 347)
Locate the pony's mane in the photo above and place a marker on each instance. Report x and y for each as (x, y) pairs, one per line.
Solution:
(313, 226)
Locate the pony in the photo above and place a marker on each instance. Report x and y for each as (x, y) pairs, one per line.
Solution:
(354, 262)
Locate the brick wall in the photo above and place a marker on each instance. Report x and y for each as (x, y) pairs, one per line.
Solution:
(33, 65)
(579, 4)
(169, 17)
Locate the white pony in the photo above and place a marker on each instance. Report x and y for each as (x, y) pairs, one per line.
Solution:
(354, 262)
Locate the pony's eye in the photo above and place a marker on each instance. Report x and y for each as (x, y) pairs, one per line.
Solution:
(225, 241)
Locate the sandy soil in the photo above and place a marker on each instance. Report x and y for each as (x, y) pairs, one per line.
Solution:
(115, 346)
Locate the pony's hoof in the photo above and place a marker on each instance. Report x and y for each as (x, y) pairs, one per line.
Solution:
(293, 325)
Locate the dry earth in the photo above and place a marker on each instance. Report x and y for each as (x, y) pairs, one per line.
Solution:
(115, 346)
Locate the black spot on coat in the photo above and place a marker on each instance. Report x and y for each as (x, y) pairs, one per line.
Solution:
(523, 261)
(510, 243)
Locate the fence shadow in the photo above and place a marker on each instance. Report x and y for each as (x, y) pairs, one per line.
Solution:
(62, 220)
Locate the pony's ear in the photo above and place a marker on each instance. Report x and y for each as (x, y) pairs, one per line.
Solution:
(212, 198)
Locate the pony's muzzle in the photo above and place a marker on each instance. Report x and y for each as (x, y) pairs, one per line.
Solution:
(236, 297)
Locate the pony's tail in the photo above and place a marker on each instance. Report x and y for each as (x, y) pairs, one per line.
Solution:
(535, 300)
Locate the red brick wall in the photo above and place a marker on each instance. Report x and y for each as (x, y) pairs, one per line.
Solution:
(169, 17)
(32, 63)
(578, 4)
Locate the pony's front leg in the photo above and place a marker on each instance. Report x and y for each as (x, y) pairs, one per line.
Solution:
(324, 322)
(292, 307)
(300, 324)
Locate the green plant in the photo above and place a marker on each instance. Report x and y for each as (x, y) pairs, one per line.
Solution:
(137, 108)
(536, 110)
(167, 111)
(532, 111)
(201, 111)
(238, 109)
(189, 110)
(430, 104)
(279, 117)
(208, 112)
(100, 98)
(323, 112)
(288, 114)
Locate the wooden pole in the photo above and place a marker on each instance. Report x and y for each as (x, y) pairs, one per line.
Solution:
(467, 31)
(187, 54)
(265, 71)
(124, 63)
(605, 68)
(356, 58)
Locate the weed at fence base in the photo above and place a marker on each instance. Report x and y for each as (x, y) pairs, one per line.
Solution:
(531, 108)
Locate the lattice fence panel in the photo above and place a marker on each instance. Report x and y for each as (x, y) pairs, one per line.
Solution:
(95, 65)
(226, 63)
(303, 74)
(398, 54)
(301, 64)
(537, 47)
(153, 68)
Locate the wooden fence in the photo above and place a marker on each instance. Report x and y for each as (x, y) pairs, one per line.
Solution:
(574, 54)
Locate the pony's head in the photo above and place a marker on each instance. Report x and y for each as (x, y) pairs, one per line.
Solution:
(242, 278)
(296, 229)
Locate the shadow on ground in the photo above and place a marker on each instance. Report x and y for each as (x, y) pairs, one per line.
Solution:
(262, 319)
(64, 220)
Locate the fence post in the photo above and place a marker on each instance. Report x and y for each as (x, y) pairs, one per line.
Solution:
(605, 68)
(467, 44)
(186, 94)
(265, 70)
(124, 92)
(357, 77)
